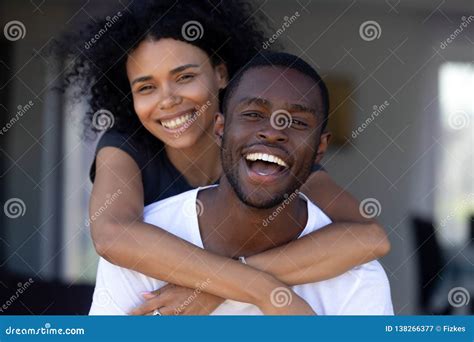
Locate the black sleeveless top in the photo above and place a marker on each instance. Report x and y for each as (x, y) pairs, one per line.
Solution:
(160, 178)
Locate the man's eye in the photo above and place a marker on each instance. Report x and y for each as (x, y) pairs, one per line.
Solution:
(298, 123)
(252, 115)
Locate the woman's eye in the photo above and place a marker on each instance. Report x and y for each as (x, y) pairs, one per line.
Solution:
(145, 89)
(185, 78)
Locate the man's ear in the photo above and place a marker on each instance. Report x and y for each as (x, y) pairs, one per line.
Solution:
(323, 146)
(222, 75)
(219, 127)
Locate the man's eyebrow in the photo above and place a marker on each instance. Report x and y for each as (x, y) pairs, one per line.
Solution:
(246, 101)
(296, 107)
(292, 107)
(173, 71)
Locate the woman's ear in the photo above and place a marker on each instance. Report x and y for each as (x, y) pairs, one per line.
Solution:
(222, 75)
(219, 127)
(323, 146)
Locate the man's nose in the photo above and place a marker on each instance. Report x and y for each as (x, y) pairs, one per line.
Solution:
(272, 135)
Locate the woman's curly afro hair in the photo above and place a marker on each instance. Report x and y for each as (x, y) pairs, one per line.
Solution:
(232, 33)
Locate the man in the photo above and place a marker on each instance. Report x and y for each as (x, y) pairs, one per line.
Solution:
(276, 110)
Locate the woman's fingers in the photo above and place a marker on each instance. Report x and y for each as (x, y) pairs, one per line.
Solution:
(156, 302)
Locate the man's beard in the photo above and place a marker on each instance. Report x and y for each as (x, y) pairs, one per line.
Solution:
(230, 168)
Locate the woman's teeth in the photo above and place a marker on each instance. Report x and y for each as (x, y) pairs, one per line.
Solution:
(178, 122)
(265, 157)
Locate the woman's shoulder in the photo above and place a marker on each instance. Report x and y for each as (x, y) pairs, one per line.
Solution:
(141, 146)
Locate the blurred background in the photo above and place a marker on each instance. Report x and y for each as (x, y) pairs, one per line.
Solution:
(401, 77)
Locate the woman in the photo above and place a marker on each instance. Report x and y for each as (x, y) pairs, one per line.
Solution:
(160, 70)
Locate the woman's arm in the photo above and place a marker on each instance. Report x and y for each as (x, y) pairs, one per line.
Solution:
(330, 251)
(121, 237)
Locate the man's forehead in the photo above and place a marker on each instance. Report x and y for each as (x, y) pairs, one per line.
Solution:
(277, 84)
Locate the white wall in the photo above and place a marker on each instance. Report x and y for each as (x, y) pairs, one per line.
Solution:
(400, 174)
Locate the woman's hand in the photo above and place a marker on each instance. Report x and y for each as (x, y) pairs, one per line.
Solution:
(283, 301)
(177, 300)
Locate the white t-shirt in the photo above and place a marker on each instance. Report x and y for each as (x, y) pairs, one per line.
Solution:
(364, 290)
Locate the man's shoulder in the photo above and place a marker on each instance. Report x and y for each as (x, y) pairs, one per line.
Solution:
(173, 203)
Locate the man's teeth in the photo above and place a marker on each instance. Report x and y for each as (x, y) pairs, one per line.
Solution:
(265, 157)
(178, 122)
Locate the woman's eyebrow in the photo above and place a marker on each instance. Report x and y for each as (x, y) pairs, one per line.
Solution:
(183, 67)
(141, 79)
(173, 71)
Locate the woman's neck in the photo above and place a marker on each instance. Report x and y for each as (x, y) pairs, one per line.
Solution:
(200, 164)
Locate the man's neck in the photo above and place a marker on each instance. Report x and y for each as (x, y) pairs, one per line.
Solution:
(232, 228)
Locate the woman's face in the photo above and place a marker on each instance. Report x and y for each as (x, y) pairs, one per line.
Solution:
(175, 90)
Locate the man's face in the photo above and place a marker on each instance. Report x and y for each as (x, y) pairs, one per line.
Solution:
(262, 160)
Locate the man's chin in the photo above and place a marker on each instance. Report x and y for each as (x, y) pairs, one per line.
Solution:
(262, 203)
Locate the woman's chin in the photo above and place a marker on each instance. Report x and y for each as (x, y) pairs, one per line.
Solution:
(181, 142)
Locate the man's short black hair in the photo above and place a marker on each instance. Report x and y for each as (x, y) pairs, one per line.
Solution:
(279, 59)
